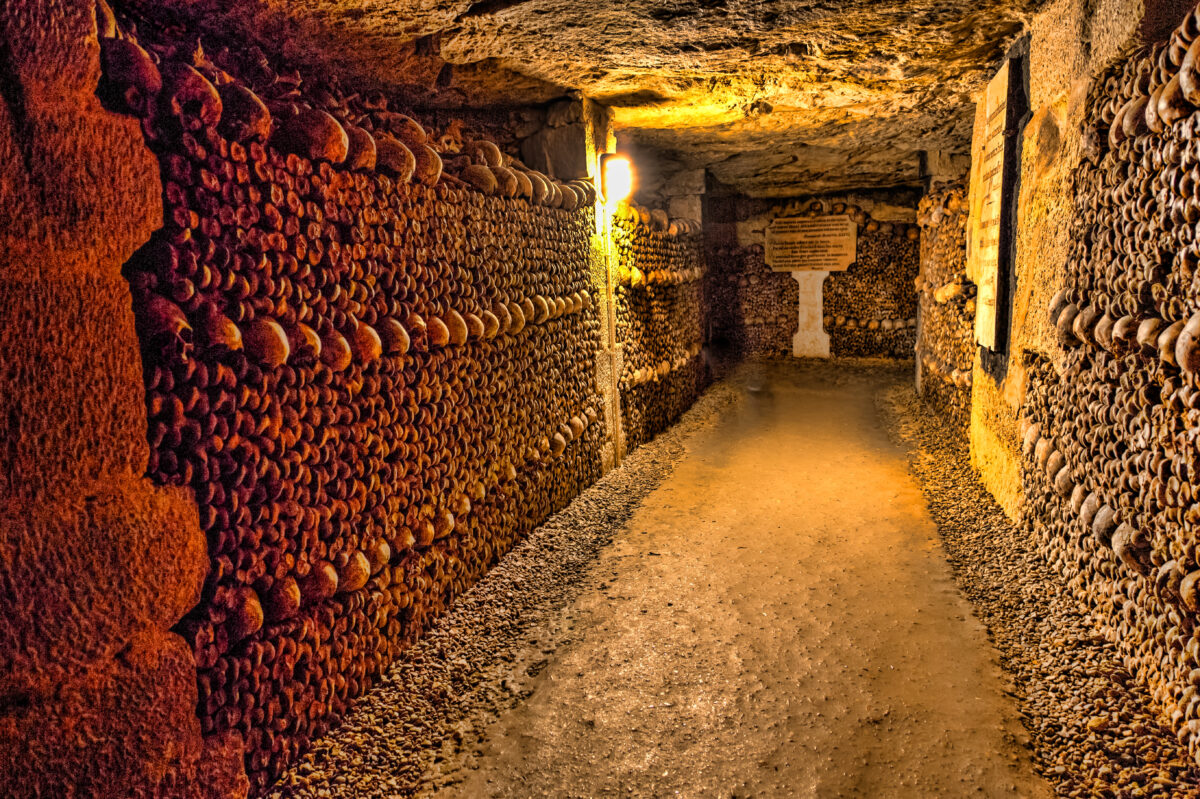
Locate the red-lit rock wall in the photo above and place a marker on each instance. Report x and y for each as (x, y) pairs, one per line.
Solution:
(276, 382)
(661, 317)
(97, 562)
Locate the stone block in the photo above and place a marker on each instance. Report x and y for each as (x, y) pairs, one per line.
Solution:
(560, 152)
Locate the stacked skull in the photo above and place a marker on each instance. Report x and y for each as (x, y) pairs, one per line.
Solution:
(661, 308)
(870, 309)
(372, 362)
(945, 338)
(754, 308)
(1110, 460)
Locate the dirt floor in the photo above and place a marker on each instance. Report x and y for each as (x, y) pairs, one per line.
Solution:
(776, 619)
(757, 603)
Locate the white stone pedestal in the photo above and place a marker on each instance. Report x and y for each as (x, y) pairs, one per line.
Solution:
(811, 340)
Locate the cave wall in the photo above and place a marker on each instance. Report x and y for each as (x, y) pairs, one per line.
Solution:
(1089, 438)
(661, 320)
(945, 347)
(97, 560)
(290, 376)
(414, 389)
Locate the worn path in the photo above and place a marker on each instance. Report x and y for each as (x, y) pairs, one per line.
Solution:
(777, 619)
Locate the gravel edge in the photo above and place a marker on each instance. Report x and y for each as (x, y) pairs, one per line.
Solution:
(1094, 730)
(410, 733)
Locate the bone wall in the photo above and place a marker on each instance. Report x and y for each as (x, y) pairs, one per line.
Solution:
(1062, 63)
(871, 308)
(369, 356)
(661, 318)
(1108, 460)
(945, 346)
(754, 309)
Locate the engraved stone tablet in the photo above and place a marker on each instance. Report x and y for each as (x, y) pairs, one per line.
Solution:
(987, 182)
(820, 243)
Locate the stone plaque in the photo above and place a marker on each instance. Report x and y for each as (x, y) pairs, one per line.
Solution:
(812, 244)
(987, 187)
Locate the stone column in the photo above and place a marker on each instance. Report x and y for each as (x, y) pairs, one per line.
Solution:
(97, 695)
(685, 191)
(811, 340)
(564, 145)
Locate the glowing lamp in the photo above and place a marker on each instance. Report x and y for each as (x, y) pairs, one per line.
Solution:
(616, 177)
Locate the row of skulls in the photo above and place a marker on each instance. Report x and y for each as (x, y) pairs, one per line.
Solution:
(661, 312)
(877, 287)
(754, 308)
(371, 354)
(1109, 427)
(946, 297)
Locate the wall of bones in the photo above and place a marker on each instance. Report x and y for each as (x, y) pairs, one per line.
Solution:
(754, 309)
(661, 318)
(870, 309)
(945, 347)
(374, 374)
(1108, 422)
(370, 361)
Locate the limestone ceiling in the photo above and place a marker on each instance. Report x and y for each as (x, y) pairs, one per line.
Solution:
(776, 97)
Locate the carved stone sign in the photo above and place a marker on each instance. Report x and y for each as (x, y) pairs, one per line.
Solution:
(987, 185)
(805, 244)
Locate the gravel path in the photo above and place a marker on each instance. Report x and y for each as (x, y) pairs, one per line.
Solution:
(426, 727)
(482, 658)
(777, 619)
(1094, 731)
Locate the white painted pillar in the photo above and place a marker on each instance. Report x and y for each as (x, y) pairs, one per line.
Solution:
(811, 340)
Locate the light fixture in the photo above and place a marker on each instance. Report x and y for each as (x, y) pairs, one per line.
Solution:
(616, 177)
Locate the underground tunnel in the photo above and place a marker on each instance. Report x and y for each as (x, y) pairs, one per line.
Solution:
(531, 398)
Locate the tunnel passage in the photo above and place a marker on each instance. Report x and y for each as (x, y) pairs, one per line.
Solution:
(312, 315)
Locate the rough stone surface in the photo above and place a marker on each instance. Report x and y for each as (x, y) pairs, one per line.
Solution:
(770, 96)
(97, 698)
(117, 732)
(729, 646)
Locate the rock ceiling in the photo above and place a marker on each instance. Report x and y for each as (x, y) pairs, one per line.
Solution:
(775, 97)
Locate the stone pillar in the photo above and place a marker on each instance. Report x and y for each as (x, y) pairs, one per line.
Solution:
(97, 695)
(811, 340)
(589, 140)
(685, 191)
(939, 166)
(563, 146)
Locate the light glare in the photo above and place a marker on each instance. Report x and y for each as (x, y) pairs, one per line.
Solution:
(618, 178)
